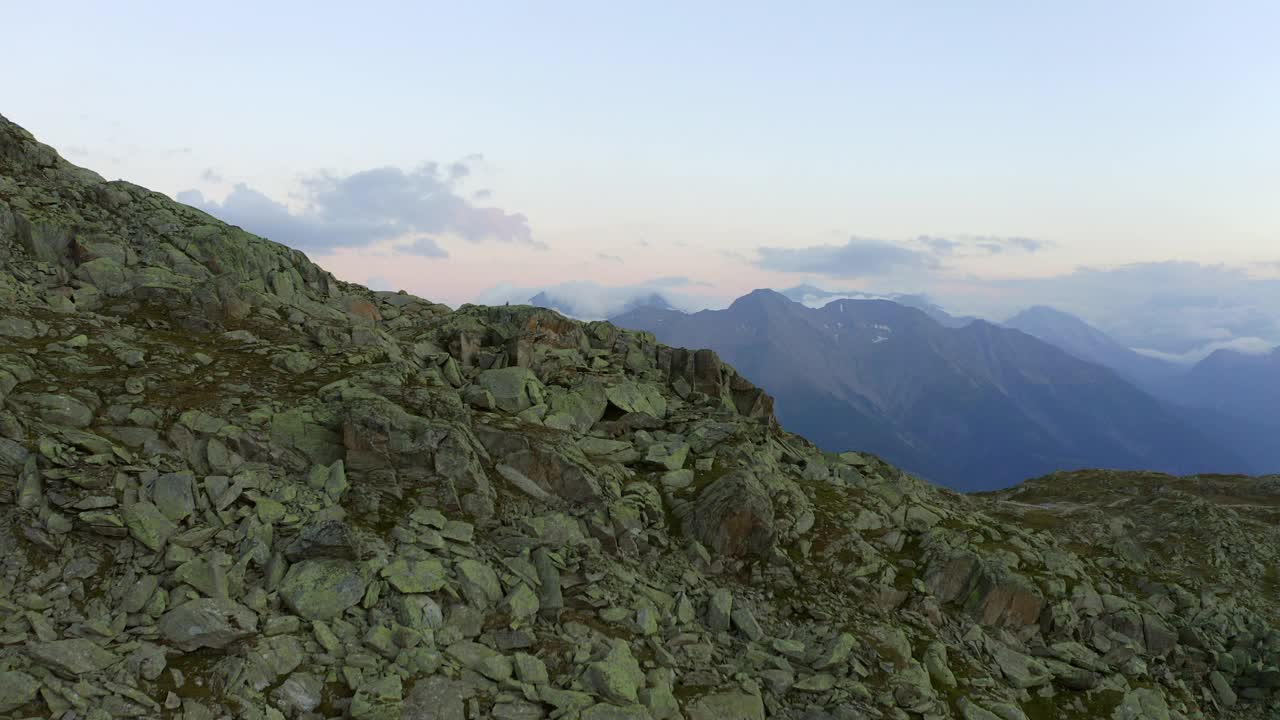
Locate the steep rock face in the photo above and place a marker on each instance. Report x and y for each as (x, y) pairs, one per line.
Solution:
(232, 486)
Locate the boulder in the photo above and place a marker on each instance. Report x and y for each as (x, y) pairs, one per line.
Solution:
(207, 622)
(326, 539)
(732, 517)
(148, 525)
(322, 589)
(16, 689)
(990, 592)
(726, 706)
(636, 397)
(71, 658)
(513, 388)
(415, 576)
(617, 676)
(60, 409)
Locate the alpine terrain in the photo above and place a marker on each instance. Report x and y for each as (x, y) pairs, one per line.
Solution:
(232, 486)
(974, 406)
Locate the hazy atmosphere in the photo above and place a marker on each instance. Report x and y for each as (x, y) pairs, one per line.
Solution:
(640, 361)
(1113, 160)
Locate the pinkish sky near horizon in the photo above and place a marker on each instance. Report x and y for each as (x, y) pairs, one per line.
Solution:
(1115, 160)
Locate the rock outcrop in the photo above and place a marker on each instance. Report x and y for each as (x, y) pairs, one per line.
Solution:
(232, 485)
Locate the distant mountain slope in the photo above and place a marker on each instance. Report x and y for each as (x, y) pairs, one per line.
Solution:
(1230, 397)
(1235, 397)
(973, 407)
(1087, 342)
(1234, 383)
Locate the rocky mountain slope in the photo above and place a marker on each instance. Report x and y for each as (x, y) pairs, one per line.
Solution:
(974, 407)
(233, 486)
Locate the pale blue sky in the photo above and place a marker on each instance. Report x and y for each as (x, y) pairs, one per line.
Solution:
(680, 138)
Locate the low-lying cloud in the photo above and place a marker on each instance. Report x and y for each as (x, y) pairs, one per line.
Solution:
(869, 257)
(371, 206)
(1245, 345)
(1176, 308)
(860, 257)
(588, 300)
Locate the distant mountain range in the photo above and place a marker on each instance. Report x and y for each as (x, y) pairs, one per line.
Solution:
(970, 404)
(816, 297)
(1089, 343)
(1231, 397)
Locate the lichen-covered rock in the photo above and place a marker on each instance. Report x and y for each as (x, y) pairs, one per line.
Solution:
(726, 706)
(208, 623)
(415, 576)
(322, 589)
(71, 658)
(993, 594)
(17, 689)
(513, 389)
(732, 516)
(616, 677)
(148, 525)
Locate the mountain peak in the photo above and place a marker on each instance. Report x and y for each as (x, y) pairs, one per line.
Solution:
(762, 298)
(1046, 311)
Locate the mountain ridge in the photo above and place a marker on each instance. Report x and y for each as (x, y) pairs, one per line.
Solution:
(897, 367)
(1089, 343)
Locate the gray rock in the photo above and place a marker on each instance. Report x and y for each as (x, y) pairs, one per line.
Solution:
(530, 669)
(299, 693)
(732, 517)
(479, 583)
(482, 659)
(668, 455)
(322, 589)
(436, 698)
(603, 711)
(726, 706)
(1222, 689)
(16, 689)
(377, 699)
(328, 539)
(836, 652)
(745, 621)
(524, 483)
(12, 455)
(17, 327)
(514, 389)
(719, 609)
(61, 410)
(174, 495)
(634, 397)
(71, 658)
(617, 676)
(148, 525)
(207, 622)
(415, 575)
